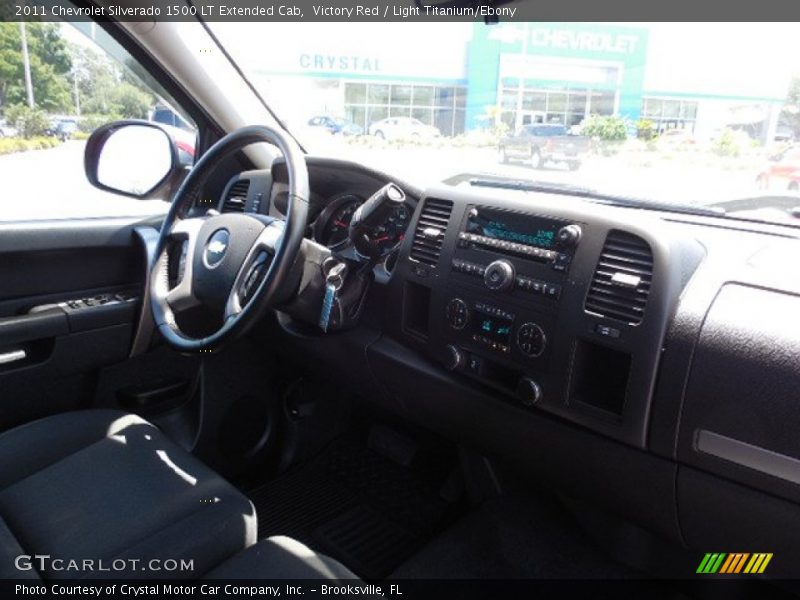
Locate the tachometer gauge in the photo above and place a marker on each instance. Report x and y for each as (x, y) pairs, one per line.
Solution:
(332, 224)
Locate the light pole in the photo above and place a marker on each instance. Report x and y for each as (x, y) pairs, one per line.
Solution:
(26, 64)
(76, 92)
(521, 76)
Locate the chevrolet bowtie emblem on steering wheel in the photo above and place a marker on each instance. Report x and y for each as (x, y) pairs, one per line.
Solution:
(216, 247)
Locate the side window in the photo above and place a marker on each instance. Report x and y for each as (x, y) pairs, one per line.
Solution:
(80, 79)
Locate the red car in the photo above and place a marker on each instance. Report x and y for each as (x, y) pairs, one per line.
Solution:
(782, 172)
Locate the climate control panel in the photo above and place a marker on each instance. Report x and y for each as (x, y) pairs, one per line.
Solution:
(495, 328)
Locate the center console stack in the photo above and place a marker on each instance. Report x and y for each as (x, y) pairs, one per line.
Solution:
(506, 278)
(555, 305)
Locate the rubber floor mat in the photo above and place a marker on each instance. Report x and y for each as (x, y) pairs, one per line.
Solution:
(357, 506)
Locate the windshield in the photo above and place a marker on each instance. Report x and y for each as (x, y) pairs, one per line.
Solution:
(691, 114)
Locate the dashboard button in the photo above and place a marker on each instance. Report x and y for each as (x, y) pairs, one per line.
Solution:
(499, 275)
(454, 358)
(528, 391)
(474, 364)
(552, 290)
(606, 331)
(457, 313)
(531, 339)
(568, 236)
(420, 271)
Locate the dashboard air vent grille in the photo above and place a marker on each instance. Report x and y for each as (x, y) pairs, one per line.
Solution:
(431, 227)
(622, 279)
(236, 197)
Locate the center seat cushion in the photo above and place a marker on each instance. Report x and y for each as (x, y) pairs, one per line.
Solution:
(105, 485)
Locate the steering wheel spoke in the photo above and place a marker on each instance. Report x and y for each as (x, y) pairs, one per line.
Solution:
(254, 267)
(181, 296)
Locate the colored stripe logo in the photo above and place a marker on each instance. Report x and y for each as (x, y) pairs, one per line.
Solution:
(734, 563)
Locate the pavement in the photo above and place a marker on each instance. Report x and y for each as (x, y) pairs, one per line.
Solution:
(50, 184)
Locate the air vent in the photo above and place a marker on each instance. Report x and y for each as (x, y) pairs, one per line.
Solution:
(622, 279)
(431, 227)
(236, 197)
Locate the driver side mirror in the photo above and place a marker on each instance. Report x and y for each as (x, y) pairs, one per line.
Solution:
(134, 158)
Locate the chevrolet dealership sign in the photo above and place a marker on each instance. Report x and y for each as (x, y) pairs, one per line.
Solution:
(564, 39)
(568, 38)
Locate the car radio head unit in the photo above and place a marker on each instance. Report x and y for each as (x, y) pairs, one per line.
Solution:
(512, 227)
(522, 235)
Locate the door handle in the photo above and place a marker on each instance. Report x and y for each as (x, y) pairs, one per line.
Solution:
(12, 356)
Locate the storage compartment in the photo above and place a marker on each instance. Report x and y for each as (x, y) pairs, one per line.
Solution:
(599, 377)
(416, 309)
(721, 516)
(741, 410)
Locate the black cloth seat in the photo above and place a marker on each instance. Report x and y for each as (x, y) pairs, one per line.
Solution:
(108, 487)
(103, 485)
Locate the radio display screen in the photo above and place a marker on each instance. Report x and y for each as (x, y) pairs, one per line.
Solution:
(494, 328)
(517, 228)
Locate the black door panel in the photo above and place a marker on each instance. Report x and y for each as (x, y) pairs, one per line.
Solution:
(69, 306)
(49, 262)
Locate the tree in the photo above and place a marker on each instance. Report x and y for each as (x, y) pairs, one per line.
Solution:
(97, 77)
(607, 129)
(50, 66)
(29, 121)
(790, 114)
(131, 102)
(108, 88)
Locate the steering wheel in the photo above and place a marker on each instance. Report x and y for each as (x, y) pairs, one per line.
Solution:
(237, 265)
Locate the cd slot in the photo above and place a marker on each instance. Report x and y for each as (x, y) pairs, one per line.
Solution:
(472, 241)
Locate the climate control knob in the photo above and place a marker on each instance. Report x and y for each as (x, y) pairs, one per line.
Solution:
(531, 339)
(568, 236)
(453, 358)
(528, 391)
(457, 313)
(499, 276)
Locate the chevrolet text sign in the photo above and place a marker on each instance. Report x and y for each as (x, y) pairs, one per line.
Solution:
(588, 41)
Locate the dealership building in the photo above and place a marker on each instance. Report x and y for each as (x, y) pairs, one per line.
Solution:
(459, 77)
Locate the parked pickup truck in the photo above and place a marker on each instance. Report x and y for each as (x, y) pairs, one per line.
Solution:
(539, 144)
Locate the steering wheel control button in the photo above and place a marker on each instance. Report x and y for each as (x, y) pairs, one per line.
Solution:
(499, 276)
(531, 339)
(216, 247)
(457, 313)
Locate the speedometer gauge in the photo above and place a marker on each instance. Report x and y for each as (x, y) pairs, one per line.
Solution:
(332, 225)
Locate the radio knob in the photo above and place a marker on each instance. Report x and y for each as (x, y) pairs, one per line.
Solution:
(531, 339)
(457, 313)
(568, 236)
(454, 358)
(528, 391)
(499, 276)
